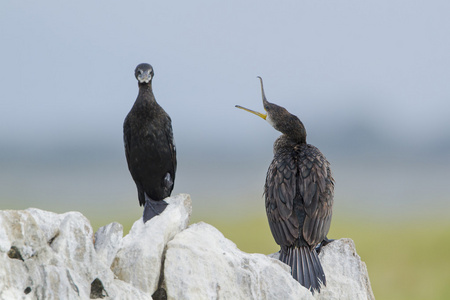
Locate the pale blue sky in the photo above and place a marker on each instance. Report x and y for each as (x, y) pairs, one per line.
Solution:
(64, 64)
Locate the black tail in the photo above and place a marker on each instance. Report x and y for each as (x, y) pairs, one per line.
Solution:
(153, 208)
(305, 267)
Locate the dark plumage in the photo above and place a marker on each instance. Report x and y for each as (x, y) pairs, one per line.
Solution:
(149, 146)
(299, 196)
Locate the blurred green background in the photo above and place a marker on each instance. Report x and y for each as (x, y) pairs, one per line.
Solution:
(406, 257)
(368, 79)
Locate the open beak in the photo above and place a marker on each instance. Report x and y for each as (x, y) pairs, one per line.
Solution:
(264, 116)
(262, 91)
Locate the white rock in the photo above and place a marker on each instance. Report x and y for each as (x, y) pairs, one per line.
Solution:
(108, 240)
(37, 271)
(125, 291)
(118, 289)
(139, 259)
(19, 229)
(44, 255)
(74, 242)
(201, 263)
(347, 276)
(49, 222)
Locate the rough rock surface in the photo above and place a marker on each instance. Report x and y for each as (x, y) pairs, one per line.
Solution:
(347, 276)
(44, 255)
(108, 240)
(139, 259)
(212, 267)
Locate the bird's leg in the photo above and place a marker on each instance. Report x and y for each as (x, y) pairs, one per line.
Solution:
(325, 242)
(153, 208)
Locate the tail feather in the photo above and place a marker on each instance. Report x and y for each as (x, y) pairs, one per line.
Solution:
(318, 267)
(293, 262)
(307, 270)
(305, 267)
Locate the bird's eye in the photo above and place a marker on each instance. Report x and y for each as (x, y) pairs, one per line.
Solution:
(266, 107)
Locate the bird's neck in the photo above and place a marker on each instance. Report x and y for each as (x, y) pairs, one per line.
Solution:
(295, 134)
(298, 136)
(146, 96)
(290, 126)
(286, 142)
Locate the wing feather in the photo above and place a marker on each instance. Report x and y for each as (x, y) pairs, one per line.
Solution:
(317, 196)
(280, 190)
(299, 195)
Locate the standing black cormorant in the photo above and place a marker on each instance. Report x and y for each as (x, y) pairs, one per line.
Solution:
(299, 196)
(149, 146)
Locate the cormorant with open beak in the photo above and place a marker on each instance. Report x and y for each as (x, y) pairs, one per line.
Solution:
(298, 195)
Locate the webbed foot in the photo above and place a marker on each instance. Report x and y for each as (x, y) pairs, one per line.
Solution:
(153, 208)
(325, 242)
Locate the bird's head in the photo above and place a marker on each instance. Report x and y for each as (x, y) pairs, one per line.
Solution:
(144, 73)
(280, 118)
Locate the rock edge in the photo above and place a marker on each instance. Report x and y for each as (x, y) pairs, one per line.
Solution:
(44, 255)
